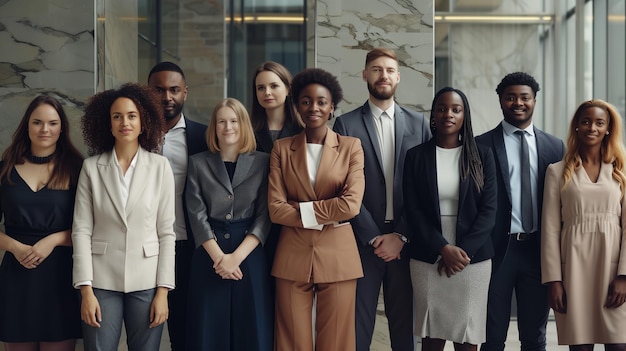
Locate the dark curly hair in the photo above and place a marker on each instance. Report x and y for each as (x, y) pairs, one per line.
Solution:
(518, 78)
(316, 76)
(96, 122)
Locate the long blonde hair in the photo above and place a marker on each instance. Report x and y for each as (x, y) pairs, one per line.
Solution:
(612, 149)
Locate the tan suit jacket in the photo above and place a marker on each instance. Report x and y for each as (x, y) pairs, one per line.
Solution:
(330, 255)
(122, 247)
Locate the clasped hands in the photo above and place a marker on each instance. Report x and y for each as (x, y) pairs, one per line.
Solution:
(227, 267)
(31, 256)
(453, 260)
(388, 246)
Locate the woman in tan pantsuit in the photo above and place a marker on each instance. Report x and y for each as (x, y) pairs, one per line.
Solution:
(583, 247)
(316, 185)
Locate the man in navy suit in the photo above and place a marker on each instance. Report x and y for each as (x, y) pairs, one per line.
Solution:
(183, 139)
(516, 265)
(387, 130)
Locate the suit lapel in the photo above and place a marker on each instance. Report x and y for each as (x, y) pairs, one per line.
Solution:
(430, 164)
(244, 162)
(329, 157)
(298, 161)
(542, 162)
(216, 166)
(399, 121)
(500, 152)
(109, 173)
(143, 169)
(368, 121)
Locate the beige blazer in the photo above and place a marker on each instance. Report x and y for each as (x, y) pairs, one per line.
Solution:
(330, 255)
(124, 248)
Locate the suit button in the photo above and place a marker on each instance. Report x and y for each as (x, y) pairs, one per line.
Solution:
(229, 216)
(124, 229)
(230, 197)
(227, 236)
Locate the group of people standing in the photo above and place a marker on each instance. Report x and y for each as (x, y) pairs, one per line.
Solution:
(271, 230)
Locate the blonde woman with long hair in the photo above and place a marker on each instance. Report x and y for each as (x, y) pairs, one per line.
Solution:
(583, 251)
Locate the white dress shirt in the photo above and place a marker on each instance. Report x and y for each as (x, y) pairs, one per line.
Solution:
(513, 147)
(175, 149)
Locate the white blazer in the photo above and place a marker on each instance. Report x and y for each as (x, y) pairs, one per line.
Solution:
(124, 248)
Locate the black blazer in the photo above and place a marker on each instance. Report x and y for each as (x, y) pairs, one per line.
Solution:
(476, 213)
(195, 133)
(549, 150)
(411, 129)
(264, 141)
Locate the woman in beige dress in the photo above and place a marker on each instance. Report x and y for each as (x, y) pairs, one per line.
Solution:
(583, 247)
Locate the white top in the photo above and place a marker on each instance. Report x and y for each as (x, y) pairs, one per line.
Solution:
(175, 149)
(125, 179)
(307, 213)
(448, 179)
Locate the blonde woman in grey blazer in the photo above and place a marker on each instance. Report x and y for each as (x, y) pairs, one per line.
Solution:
(123, 232)
(229, 294)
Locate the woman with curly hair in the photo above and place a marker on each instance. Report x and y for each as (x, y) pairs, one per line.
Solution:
(39, 310)
(123, 221)
(316, 185)
(583, 245)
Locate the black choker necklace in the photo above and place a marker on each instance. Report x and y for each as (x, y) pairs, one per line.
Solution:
(38, 160)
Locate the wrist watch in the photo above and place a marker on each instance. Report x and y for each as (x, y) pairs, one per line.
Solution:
(403, 238)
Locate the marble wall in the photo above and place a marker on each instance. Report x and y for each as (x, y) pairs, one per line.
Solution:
(347, 29)
(480, 55)
(46, 47)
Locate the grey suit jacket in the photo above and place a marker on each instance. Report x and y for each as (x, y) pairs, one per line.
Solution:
(122, 247)
(411, 129)
(210, 193)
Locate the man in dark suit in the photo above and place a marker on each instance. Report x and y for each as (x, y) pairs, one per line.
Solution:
(183, 139)
(387, 130)
(519, 148)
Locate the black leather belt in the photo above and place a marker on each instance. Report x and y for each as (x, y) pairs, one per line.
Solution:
(522, 236)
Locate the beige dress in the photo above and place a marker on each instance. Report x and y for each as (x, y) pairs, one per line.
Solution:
(583, 245)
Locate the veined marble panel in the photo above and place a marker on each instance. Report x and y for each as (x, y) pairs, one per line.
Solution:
(348, 29)
(46, 48)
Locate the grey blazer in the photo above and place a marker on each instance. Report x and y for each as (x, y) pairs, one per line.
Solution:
(411, 129)
(124, 247)
(210, 193)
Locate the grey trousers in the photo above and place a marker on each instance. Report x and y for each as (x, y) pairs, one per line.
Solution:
(133, 309)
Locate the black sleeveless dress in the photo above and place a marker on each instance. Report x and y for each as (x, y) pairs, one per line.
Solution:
(37, 304)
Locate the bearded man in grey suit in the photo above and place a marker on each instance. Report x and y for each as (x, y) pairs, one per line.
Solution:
(387, 130)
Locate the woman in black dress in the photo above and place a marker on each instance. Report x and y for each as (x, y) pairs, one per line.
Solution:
(39, 309)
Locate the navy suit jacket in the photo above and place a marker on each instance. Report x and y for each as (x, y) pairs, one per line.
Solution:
(549, 150)
(411, 129)
(196, 142)
(476, 213)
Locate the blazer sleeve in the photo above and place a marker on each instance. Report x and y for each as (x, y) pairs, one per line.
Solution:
(197, 210)
(281, 210)
(423, 228)
(345, 206)
(482, 225)
(82, 227)
(339, 208)
(165, 226)
(551, 227)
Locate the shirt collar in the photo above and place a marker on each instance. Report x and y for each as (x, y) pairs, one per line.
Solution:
(133, 162)
(510, 129)
(377, 111)
(181, 123)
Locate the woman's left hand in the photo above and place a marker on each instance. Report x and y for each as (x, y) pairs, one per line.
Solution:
(41, 250)
(617, 292)
(159, 311)
(228, 267)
